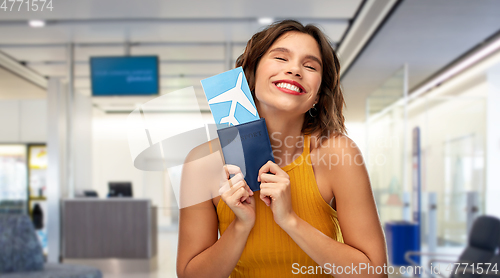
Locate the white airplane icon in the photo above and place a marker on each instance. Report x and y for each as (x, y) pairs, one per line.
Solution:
(234, 95)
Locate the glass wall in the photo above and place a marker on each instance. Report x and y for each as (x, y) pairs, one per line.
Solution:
(452, 152)
(453, 132)
(385, 140)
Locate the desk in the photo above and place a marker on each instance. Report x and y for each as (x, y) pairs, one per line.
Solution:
(109, 228)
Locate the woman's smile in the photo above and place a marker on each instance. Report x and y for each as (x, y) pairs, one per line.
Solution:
(290, 87)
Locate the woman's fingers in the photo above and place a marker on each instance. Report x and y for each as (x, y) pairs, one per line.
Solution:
(270, 178)
(236, 194)
(225, 186)
(247, 189)
(238, 175)
(231, 182)
(266, 190)
(271, 167)
(239, 186)
(229, 188)
(266, 195)
(241, 195)
(237, 178)
(232, 170)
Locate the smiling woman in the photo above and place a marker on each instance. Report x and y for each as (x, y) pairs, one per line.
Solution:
(330, 98)
(310, 212)
(293, 93)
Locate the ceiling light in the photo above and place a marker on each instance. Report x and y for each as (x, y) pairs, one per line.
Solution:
(265, 20)
(36, 23)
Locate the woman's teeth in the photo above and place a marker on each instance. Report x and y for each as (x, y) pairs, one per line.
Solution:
(289, 87)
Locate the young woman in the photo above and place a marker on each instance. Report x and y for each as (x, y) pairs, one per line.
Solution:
(315, 212)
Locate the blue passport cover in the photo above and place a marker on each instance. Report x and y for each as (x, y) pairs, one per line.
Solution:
(248, 147)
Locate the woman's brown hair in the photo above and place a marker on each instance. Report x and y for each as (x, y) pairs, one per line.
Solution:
(331, 100)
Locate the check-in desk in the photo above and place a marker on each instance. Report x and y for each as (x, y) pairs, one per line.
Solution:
(109, 228)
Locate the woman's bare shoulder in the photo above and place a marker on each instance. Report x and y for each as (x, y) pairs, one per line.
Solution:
(333, 143)
(339, 162)
(333, 155)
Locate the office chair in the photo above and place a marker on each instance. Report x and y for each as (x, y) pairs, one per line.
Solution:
(483, 241)
(21, 254)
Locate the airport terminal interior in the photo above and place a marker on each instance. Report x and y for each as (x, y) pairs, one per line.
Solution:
(94, 94)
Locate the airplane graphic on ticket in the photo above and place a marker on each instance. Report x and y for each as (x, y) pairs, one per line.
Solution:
(229, 98)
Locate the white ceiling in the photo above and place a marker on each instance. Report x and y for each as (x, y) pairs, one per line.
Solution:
(427, 35)
(190, 37)
(106, 9)
(10, 82)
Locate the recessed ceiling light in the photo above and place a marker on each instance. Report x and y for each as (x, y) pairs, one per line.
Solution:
(36, 23)
(265, 20)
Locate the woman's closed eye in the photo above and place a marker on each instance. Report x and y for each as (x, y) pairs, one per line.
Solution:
(284, 59)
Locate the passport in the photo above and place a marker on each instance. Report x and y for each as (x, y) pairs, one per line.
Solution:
(248, 147)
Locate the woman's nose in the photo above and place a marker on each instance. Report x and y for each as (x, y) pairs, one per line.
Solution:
(294, 70)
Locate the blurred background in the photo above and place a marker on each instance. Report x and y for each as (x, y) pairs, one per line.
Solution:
(421, 81)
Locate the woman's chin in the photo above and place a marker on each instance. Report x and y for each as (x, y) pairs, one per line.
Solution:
(282, 104)
(286, 108)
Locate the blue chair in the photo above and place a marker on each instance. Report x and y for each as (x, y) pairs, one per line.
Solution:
(21, 254)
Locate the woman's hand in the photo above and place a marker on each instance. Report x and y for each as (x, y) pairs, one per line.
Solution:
(275, 192)
(238, 196)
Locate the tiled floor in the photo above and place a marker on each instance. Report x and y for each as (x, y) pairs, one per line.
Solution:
(161, 266)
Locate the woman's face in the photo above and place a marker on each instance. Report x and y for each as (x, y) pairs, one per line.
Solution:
(288, 76)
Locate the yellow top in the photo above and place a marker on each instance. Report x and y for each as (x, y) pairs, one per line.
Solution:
(270, 251)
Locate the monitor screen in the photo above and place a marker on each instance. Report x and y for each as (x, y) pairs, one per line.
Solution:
(124, 76)
(120, 189)
(90, 193)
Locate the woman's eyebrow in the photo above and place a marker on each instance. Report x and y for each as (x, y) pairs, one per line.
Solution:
(314, 58)
(286, 50)
(279, 49)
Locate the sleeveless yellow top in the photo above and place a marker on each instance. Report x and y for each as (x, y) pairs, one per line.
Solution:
(270, 251)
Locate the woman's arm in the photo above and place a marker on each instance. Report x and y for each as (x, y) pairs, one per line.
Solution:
(356, 210)
(364, 241)
(199, 253)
